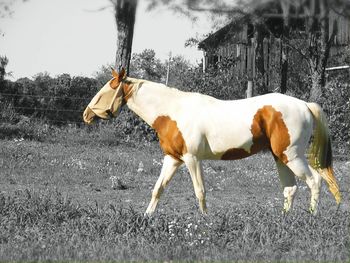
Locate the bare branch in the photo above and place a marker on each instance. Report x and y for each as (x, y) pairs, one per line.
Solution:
(341, 7)
(219, 8)
(98, 9)
(298, 50)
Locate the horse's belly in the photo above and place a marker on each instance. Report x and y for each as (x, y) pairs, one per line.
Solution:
(230, 144)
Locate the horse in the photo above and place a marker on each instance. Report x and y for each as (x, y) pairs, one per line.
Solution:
(193, 127)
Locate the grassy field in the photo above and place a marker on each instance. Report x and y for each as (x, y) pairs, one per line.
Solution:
(57, 203)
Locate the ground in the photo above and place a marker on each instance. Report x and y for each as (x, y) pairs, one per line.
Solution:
(244, 203)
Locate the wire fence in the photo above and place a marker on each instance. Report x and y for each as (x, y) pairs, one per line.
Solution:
(45, 109)
(10, 96)
(44, 96)
(50, 121)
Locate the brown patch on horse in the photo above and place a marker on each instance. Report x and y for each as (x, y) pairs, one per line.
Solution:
(268, 126)
(170, 137)
(269, 131)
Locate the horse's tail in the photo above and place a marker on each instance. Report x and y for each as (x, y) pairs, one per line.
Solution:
(320, 151)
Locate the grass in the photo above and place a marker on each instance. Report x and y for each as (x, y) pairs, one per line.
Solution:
(57, 203)
(51, 227)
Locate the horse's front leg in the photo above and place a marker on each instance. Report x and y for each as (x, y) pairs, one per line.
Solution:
(195, 168)
(169, 168)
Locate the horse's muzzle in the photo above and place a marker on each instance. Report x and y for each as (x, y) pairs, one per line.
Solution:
(88, 115)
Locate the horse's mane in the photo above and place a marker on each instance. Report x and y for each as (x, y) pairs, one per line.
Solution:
(137, 83)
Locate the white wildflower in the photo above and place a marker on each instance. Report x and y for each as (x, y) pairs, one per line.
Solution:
(140, 169)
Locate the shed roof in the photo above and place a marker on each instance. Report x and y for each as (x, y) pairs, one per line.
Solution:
(229, 32)
(233, 31)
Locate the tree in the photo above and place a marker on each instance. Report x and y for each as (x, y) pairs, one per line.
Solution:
(6, 10)
(317, 39)
(320, 41)
(285, 5)
(3, 64)
(125, 12)
(103, 74)
(178, 68)
(260, 34)
(145, 65)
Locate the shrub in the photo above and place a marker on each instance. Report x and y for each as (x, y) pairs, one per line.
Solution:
(336, 104)
(219, 82)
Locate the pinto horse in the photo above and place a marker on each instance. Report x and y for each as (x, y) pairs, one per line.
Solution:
(193, 127)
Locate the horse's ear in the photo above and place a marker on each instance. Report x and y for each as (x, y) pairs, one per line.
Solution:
(122, 74)
(114, 73)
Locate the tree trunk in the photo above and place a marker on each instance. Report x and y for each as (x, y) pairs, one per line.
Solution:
(285, 4)
(320, 42)
(316, 84)
(3, 63)
(284, 63)
(125, 12)
(259, 59)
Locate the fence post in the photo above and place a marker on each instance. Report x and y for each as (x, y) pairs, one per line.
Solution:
(204, 61)
(249, 92)
(168, 70)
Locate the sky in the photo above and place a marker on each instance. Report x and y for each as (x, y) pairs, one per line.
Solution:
(70, 36)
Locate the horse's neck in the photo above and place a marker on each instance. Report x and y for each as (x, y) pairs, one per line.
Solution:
(152, 100)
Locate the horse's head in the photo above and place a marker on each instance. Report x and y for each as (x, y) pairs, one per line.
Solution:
(108, 101)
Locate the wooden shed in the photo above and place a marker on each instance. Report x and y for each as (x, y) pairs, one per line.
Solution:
(237, 41)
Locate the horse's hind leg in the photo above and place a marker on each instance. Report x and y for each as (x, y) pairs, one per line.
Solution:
(288, 183)
(302, 170)
(315, 193)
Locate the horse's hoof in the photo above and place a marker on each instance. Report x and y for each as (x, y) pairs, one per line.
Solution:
(285, 212)
(313, 211)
